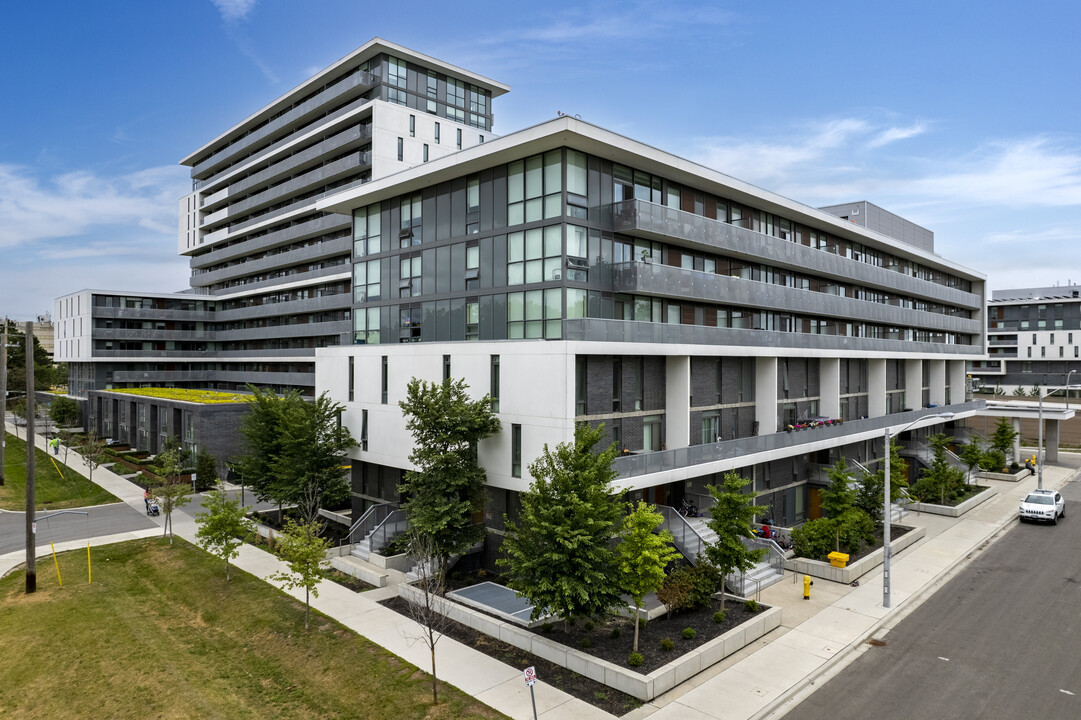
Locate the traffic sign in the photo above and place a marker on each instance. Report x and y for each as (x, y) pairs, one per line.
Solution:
(530, 676)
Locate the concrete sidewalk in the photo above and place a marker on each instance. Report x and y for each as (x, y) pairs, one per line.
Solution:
(816, 636)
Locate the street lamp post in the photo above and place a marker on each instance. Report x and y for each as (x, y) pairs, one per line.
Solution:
(887, 506)
(1068, 388)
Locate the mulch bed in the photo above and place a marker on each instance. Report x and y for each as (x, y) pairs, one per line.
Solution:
(347, 581)
(611, 640)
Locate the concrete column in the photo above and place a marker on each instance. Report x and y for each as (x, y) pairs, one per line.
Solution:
(829, 387)
(913, 383)
(677, 401)
(938, 382)
(876, 388)
(1050, 440)
(958, 381)
(765, 394)
(1016, 422)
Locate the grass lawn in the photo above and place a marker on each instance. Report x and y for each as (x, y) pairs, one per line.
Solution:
(160, 634)
(52, 488)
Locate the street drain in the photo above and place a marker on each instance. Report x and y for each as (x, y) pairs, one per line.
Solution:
(876, 642)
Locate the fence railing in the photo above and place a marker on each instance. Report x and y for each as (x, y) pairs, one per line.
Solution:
(686, 539)
(370, 520)
(394, 525)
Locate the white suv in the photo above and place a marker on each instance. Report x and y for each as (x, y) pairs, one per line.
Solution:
(1046, 505)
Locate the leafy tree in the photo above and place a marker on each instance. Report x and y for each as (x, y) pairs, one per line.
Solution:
(941, 480)
(222, 526)
(869, 490)
(429, 613)
(1035, 391)
(690, 586)
(1019, 391)
(839, 496)
(261, 428)
(559, 553)
(173, 491)
(1002, 438)
(300, 546)
(733, 512)
(973, 455)
(92, 449)
(46, 374)
(65, 411)
(206, 471)
(447, 488)
(643, 554)
(18, 409)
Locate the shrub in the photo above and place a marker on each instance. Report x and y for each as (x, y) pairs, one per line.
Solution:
(586, 643)
(641, 622)
(614, 633)
(993, 460)
(751, 605)
(689, 633)
(546, 627)
(675, 591)
(667, 644)
(635, 659)
(718, 617)
(600, 696)
(815, 539)
(588, 626)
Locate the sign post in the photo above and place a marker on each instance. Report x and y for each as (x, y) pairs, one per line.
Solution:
(530, 681)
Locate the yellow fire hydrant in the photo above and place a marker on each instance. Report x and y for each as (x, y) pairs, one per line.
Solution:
(807, 587)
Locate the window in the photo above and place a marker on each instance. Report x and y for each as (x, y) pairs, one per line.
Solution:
(366, 285)
(1060, 350)
(534, 188)
(472, 195)
(576, 303)
(711, 428)
(472, 266)
(433, 85)
(481, 139)
(411, 222)
(1052, 338)
(396, 72)
(577, 253)
(409, 317)
(577, 177)
(639, 381)
(534, 314)
(617, 385)
(366, 226)
(456, 94)
(352, 377)
(425, 155)
(366, 326)
(363, 429)
(412, 126)
(472, 320)
(459, 138)
(1069, 338)
(516, 451)
(534, 255)
(581, 368)
(493, 383)
(651, 433)
(437, 133)
(384, 379)
(401, 149)
(409, 280)
(446, 368)
(1043, 351)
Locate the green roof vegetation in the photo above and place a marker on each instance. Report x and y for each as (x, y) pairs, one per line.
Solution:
(186, 395)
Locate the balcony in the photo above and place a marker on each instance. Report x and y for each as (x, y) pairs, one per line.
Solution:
(319, 251)
(646, 278)
(163, 376)
(298, 231)
(151, 314)
(290, 307)
(628, 466)
(649, 220)
(629, 331)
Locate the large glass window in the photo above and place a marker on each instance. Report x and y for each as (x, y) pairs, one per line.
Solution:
(516, 450)
(409, 280)
(411, 221)
(396, 74)
(535, 314)
(493, 392)
(366, 285)
(534, 188)
(366, 229)
(577, 176)
(409, 317)
(366, 326)
(534, 255)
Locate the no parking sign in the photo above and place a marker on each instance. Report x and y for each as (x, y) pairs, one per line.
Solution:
(530, 676)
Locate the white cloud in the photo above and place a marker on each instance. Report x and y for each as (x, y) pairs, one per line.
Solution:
(234, 10)
(893, 134)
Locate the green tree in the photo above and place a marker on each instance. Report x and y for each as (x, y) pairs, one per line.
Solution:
(173, 492)
(92, 449)
(642, 555)
(261, 428)
(65, 411)
(973, 455)
(222, 526)
(733, 512)
(206, 471)
(430, 613)
(559, 553)
(869, 489)
(1019, 391)
(1003, 436)
(941, 481)
(445, 491)
(46, 374)
(306, 555)
(840, 495)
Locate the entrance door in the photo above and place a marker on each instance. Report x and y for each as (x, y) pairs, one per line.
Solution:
(814, 505)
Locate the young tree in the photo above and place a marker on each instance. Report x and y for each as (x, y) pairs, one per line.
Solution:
(222, 526)
(839, 496)
(18, 409)
(173, 492)
(92, 449)
(868, 492)
(300, 546)
(733, 513)
(941, 480)
(447, 488)
(64, 411)
(261, 428)
(642, 555)
(559, 552)
(429, 613)
(1003, 437)
(972, 455)
(206, 471)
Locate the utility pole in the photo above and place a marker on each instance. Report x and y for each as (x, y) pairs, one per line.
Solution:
(3, 397)
(31, 525)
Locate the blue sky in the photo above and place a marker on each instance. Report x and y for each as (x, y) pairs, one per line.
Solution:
(959, 115)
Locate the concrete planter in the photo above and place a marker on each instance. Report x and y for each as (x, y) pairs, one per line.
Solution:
(1005, 477)
(361, 573)
(401, 563)
(856, 570)
(953, 510)
(643, 687)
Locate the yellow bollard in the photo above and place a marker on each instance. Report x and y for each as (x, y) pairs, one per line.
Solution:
(807, 587)
(58, 579)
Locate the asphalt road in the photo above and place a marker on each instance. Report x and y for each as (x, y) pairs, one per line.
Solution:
(103, 520)
(1000, 641)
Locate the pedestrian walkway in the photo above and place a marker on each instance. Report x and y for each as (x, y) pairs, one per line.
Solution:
(816, 636)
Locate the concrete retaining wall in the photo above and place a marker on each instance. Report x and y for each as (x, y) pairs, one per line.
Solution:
(643, 687)
(1006, 477)
(820, 569)
(953, 510)
(361, 573)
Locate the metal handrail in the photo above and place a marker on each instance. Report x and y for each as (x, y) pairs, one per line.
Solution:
(686, 539)
(371, 519)
(392, 526)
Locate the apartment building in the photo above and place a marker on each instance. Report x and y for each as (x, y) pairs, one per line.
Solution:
(1033, 337)
(270, 273)
(577, 275)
